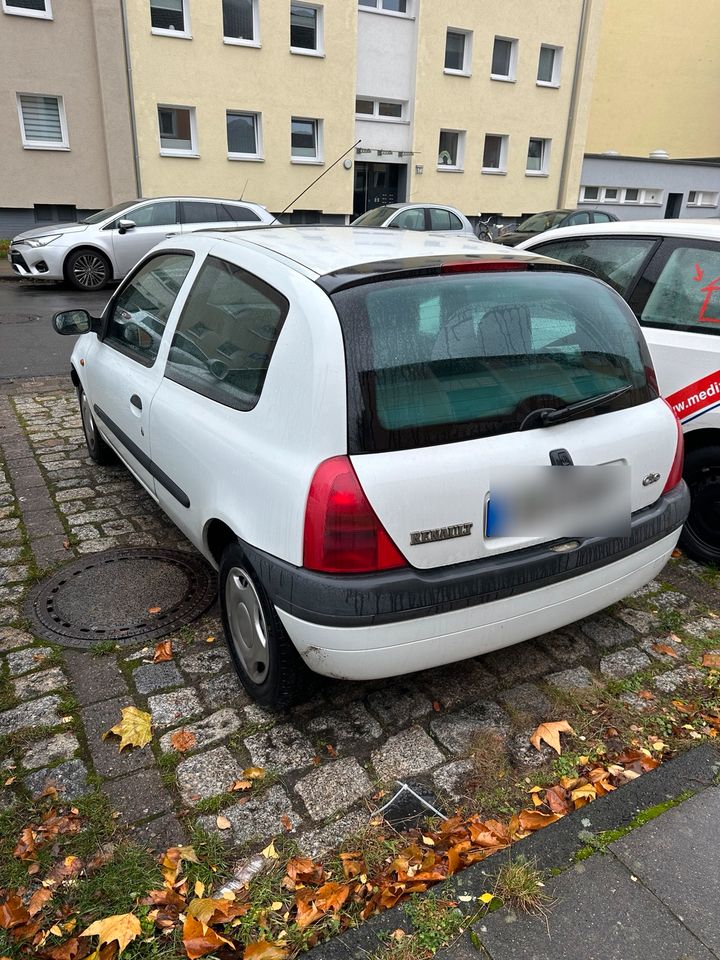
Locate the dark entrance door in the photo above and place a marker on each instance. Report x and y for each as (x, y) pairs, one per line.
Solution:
(674, 205)
(377, 184)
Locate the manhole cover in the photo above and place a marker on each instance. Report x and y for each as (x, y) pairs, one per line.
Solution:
(109, 596)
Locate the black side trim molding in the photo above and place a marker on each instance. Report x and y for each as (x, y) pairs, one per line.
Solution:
(406, 593)
(142, 458)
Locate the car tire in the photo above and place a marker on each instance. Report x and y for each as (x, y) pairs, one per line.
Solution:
(269, 666)
(700, 537)
(98, 450)
(88, 269)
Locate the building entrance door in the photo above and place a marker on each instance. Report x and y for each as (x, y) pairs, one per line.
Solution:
(674, 205)
(377, 184)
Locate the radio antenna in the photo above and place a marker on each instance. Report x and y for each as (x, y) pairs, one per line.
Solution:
(292, 202)
(244, 188)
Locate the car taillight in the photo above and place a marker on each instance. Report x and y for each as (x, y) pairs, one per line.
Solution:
(483, 266)
(342, 531)
(675, 475)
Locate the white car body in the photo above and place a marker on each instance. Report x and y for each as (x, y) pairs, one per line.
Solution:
(419, 217)
(224, 474)
(42, 253)
(681, 323)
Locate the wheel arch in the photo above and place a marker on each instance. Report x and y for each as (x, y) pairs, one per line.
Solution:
(705, 437)
(218, 536)
(95, 249)
(74, 376)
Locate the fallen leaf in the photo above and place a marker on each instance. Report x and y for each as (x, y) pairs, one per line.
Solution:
(183, 740)
(66, 544)
(665, 648)
(163, 652)
(210, 640)
(711, 660)
(305, 870)
(270, 853)
(199, 939)
(550, 733)
(535, 819)
(123, 927)
(556, 799)
(133, 729)
(646, 695)
(38, 900)
(264, 950)
(486, 898)
(286, 822)
(240, 785)
(222, 822)
(331, 749)
(254, 773)
(13, 913)
(582, 795)
(154, 610)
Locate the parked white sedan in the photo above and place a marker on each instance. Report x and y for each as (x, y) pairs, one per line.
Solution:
(423, 217)
(339, 420)
(106, 245)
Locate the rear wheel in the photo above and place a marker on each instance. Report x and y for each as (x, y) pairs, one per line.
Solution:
(269, 666)
(700, 538)
(99, 451)
(88, 269)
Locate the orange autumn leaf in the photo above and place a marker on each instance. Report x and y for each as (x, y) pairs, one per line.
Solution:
(535, 819)
(665, 648)
(163, 652)
(264, 950)
(199, 939)
(305, 870)
(312, 904)
(353, 865)
(557, 800)
(38, 900)
(237, 785)
(183, 740)
(550, 733)
(123, 928)
(711, 660)
(13, 913)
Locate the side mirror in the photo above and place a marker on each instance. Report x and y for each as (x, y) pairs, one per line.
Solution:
(72, 322)
(125, 225)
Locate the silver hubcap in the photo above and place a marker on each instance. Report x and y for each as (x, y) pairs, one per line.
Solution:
(248, 633)
(88, 422)
(89, 270)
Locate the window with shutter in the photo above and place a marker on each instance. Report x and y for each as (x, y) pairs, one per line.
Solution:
(42, 121)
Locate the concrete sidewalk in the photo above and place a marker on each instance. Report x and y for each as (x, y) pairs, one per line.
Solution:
(6, 271)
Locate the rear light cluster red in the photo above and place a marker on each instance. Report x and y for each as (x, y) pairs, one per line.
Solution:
(342, 531)
(676, 470)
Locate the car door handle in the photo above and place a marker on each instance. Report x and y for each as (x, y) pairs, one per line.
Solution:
(136, 401)
(173, 234)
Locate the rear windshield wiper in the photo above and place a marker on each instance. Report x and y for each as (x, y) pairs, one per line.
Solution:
(547, 416)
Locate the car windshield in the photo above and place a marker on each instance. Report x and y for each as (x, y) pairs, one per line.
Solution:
(444, 358)
(542, 221)
(374, 218)
(109, 212)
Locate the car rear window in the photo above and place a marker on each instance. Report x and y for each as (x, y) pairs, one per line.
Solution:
(436, 359)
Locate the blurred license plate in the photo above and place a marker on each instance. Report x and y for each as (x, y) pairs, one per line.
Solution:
(550, 502)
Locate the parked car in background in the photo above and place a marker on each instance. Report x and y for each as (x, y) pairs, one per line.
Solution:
(552, 220)
(372, 390)
(428, 217)
(107, 245)
(669, 272)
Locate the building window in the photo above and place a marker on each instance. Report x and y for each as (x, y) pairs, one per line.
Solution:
(590, 194)
(55, 212)
(548, 74)
(631, 195)
(369, 109)
(504, 59)
(177, 131)
(450, 149)
(29, 8)
(240, 22)
(610, 194)
(495, 153)
(538, 157)
(387, 6)
(458, 52)
(243, 135)
(306, 33)
(42, 122)
(702, 198)
(305, 145)
(170, 17)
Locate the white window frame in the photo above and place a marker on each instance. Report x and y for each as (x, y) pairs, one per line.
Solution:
(467, 53)
(586, 199)
(712, 202)
(459, 165)
(606, 198)
(623, 196)
(375, 116)
(510, 77)
(239, 41)
(185, 34)
(167, 152)
(500, 171)
(259, 154)
(319, 50)
(557, 66)
(45, 14)
(379, 8)
(64, 144)
(318, 159)
(544, 170)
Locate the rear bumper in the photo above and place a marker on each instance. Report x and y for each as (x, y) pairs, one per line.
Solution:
(395, 596)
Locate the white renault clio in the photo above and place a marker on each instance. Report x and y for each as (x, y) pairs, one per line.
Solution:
(398, 450)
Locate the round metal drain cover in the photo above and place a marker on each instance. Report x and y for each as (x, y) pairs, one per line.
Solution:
(123, 596)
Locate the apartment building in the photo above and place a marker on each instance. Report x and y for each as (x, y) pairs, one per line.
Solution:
(65, 130)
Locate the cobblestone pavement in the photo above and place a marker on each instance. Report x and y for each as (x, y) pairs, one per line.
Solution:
(327, 758)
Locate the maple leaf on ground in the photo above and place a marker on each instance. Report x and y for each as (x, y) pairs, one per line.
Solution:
(353, 865)
(313, 904)
(163, 652)
(171, 860)
(711, 660)
(123, 927)
(210, 910)
(199, 939)
(134, 729)
(264, 950)
(183, 740)
(556, 799)
(13, 913)
(305, 870)
(38, 900)
(550, 733)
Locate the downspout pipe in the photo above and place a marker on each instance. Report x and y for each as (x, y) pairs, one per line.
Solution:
(574, 97)
(131, 98)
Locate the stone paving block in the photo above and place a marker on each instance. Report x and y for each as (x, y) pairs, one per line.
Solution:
(333, 788)
(62, 746)
(22, 661)
(513, 665)
(34, 713)
(407, 754)
(641, 621)
(37, 684)
(8, 615)
(69, 779)
(207, 774)
(637, 703)
(282, 748)
(606, 633)
(400, 705)
(674, 679)
(257, 819)
(648, 590)
(451, 778)
(524, 755)
(653, 648)
(156, 676)
(219, 725)
(13, 574)
(159, 834)
(671, 600)
(107, 759)
(702, 627)
(170, 709)
(209, 661)
(345, 729)
(624, 663)
(11, 639)
(458, 683)
(317, 844)
(138, 795)
(528, 699)
(578, 678)
(94, 678)
(460, 731)
(223, 689)
(566, 647)
(97, 546)
(75, 493)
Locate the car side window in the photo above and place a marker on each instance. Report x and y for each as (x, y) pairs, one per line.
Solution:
(154, 214)
(686, 294)
(226, 335)
(241, 214)
(578, 220)
(443, 220)
(201, 211)
(616, 260)
(599, 217)
(413, 219)
(138, 316)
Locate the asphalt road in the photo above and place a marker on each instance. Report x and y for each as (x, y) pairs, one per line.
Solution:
(29, 347)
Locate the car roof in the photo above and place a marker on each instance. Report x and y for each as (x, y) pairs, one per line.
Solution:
(699, 229)
(434, 206)
(249, 203)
